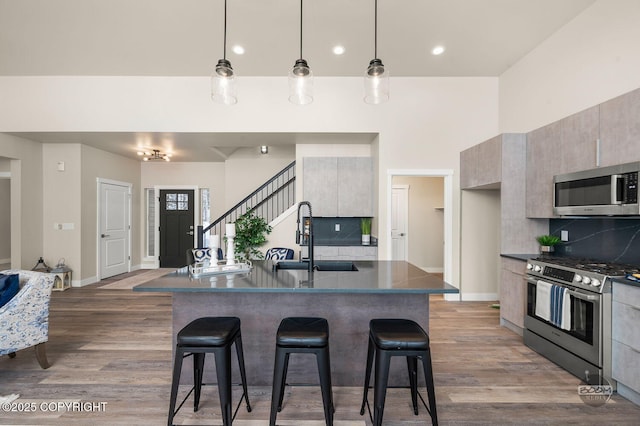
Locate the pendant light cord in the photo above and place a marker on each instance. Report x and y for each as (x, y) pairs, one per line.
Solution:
(224, 47)
(300, 29)
(375, 31)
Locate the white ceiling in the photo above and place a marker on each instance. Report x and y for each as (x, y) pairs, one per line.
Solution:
(185, 38)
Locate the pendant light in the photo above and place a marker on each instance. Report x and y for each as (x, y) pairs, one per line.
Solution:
(376, 78)
(223, 82)
(301, 77)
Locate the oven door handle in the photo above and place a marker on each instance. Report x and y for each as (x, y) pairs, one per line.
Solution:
(582, 296)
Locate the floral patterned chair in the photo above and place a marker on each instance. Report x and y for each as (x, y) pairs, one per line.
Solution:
(24, 320)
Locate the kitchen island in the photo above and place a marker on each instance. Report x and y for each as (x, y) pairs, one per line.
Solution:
(347, 299)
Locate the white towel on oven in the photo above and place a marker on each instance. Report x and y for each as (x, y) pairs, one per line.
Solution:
(543, 300)
(565, 322)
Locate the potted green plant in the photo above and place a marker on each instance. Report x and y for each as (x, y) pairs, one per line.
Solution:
(251, 233)
(365, 228)
(547, 243)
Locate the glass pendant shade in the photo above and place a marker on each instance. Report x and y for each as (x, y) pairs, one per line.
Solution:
(223, 84)
(301, 83)
(376, 83)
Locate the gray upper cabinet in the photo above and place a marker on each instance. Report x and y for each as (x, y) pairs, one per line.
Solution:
(579, 142)
(355, 186)
(565, 146)
(481, 165)
(339, 186)
(620, 129)
(320, 185)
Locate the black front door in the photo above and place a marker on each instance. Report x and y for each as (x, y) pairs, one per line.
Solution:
(176, 226)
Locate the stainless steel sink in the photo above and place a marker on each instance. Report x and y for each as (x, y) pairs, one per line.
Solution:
(321, 265)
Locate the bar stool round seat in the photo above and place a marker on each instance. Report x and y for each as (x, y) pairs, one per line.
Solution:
(389, 337)
(209, 335)
(302, 335)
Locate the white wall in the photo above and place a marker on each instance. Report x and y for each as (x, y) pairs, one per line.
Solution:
(425, 125)
(247, 169)
(26, 199)
(480, 253)
(62, 203)
(588, 61)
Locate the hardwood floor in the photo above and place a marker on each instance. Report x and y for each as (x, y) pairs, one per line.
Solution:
(114, 347)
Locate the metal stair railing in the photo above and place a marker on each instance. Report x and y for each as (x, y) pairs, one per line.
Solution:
(269, 201)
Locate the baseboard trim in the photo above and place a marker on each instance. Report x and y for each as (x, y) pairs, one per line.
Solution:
(479, 297)
(511, 326)
(86, 281)
(8, 260)
(450, 297)
(94, 279)
(432, 269)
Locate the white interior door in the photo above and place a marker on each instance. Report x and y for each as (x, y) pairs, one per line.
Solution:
(114, 228)
(399, 222)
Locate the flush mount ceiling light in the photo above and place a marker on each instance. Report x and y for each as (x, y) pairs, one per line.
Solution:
(376, 78)
(301, 77)
(338, 50)
(154, 154)
(223, 84)
(438, 50)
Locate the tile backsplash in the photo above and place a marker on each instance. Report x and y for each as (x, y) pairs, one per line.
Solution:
(606, 239)
(324, 230)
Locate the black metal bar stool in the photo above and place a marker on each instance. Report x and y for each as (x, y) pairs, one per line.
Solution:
(209, 335)
(397, 337)
(302, 335)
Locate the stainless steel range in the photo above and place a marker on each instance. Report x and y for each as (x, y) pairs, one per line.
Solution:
(568, 315)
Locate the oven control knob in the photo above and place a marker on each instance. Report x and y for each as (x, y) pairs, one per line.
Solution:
(595, 282)
(537, 268)
(586, 280)
(577, 278)
(529, 266)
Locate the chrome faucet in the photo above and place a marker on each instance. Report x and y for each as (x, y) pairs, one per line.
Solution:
(300, 235)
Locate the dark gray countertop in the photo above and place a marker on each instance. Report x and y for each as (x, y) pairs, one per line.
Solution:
(627, 282)
(371, 277)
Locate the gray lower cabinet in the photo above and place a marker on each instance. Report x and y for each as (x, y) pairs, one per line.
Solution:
(513, 294)
(343, 252)
(339, 186)
(625, 347)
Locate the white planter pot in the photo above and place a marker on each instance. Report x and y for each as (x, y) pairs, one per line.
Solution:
(366, 240)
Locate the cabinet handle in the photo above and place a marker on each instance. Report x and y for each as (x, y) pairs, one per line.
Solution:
(105, 235)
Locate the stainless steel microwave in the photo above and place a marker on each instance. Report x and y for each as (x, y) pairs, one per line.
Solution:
(606, 191)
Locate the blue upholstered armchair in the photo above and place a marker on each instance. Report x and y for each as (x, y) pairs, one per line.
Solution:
(24, 320)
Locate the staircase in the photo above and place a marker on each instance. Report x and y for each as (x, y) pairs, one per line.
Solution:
(269, 201)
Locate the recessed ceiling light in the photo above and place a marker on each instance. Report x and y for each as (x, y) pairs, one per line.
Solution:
(338, 50)
(438, 50)
(238, 50)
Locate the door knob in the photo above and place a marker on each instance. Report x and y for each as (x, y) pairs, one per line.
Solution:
(105, 235)
(189, 232)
